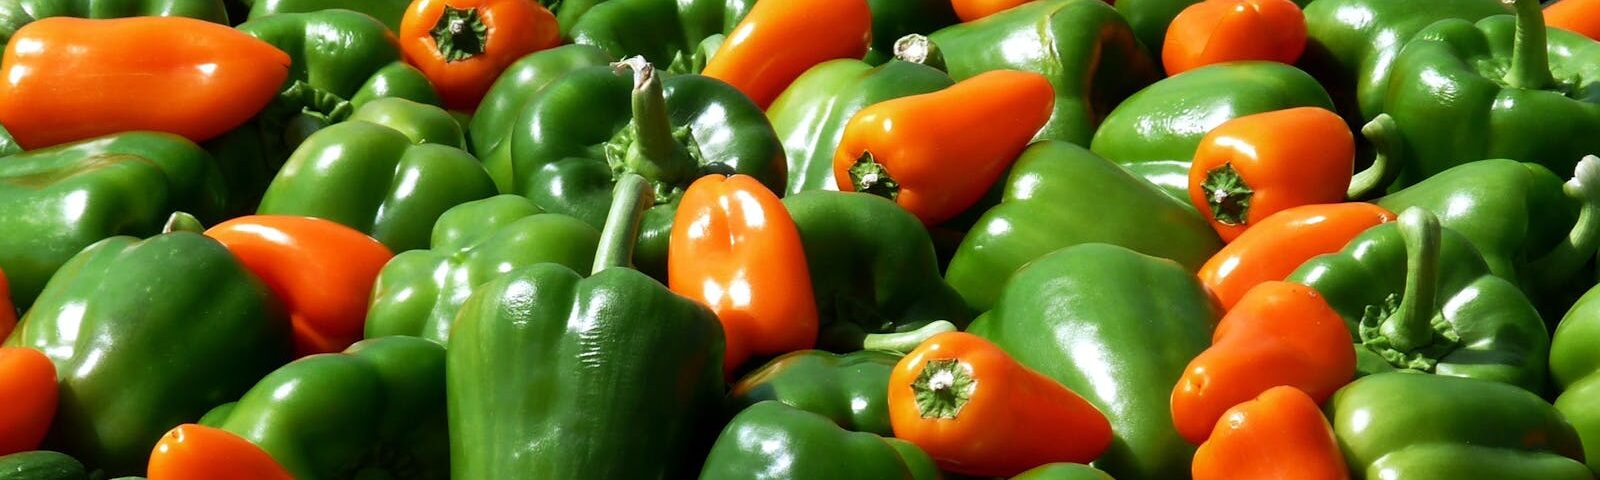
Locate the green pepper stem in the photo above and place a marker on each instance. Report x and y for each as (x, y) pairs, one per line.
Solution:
(655, 151)
(460, 34)
(917, 48)
(632, 196)
(1530, 55)
(1558, 266)
(183, 222)
(904, 342)
(1411, 325)
(1385, 137)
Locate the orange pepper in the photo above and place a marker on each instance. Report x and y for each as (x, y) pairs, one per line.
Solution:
(977, 411)
(28, 387)
(1581, 16)
(781, 39)
(197, 452)
(936, 154)
(64, 79)
(1253, 166)
(8, 312)
(322, 272)
(1279, 435)
(1280, 333)
(1276, 246)
(735, 249)
(463, 45)
(1217, 31)
(970, 10)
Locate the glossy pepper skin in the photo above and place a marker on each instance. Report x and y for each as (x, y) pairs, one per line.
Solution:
(766, 54)
(15, 14)
(1279, 434)
(1063, 471)
(1217, 31)
(1577, 16)
(786, 442)
(1401, 425)
(570, 138)
(1274, 248)
(128, 184)
(42, 465)
(1055, 197)
(463, 45)
(894, 19)
(387, 11)
(472, 244)
(28, 380)
(131, 360)
(491, 122)
(198, 452)
(8, 312)
(1156, 132)
(1096, 313)
(810, 116)
(1253, 166)
(851, 389)
(1575, 367)
(1417, 296)
(676, 35)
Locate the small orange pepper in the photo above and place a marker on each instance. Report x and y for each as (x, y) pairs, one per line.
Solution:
(781, 39)
(8, 311)
(1217, 31)
(196, 452)
(463, 45)
(977, 411)
(1277, 245)
(970, 10)
(1580, 16)
(1281, 434)
(936, 154)
(1253, 166)
(28, 387)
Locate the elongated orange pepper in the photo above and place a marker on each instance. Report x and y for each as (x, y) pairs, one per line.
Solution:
(1253, 166)
(321, 270)
(1217, 31)
(781, 39)
(8, 311)
(1280, 333)
(1281, 434)
(1581, 16)
(463, 45)
(1273, 248)
(735, 249)
(969, 10)
(977, 411)
(937, 153)
(197, 452)
(65, 79)
(28, 387)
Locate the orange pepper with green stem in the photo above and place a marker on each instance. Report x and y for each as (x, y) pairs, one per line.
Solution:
(463, 45)
(781, 39)
(936, 154)
(28, 385)
(1581, 16)
(1217, 31)
(1253, 166)
(1273, 248)
(1281, 434)
(197, 452)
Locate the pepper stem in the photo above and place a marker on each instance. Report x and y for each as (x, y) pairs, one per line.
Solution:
(1558, 266)
(943, 388)
(632, 196)
(1228, 195)
(1385, 137)
(917, 48)
(1411, 325)
(1530, 55)
(655, 150)
(459, 34)
(905, 342)
(869, 176)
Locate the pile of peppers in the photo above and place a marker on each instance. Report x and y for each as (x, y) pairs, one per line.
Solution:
(800, 239)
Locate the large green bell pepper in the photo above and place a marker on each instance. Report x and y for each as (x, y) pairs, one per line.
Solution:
(14, 14)
(419, 292)
(671, 33)
(1156, 131)
(58, 200)
(1063, 471)
(146, 335)
(41, 465)
(1118, 327)
(774, 440)
(1419, 297)
(1400, 425)
(553, 375)
(1575, 367)
(850, 389)
(387, 11)
(491, 122)
(810, 115)
(1058, 195)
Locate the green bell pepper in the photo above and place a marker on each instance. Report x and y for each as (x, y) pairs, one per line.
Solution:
(14, 14)
(553, 375)
(810, 116)
(1058, 195)
(58, 200)
(491, 122)
(774, 440)
(1418, 297)
(146, 335)
(1574, 364)
(665, 32)
(41, 465)
(387, 11)
(1156, 131)
(1063, 471)
(377, 410)
(8, 145)
(1118, 327)
(1399, 425)
(573, 138)
(850, 389)
(419, 292)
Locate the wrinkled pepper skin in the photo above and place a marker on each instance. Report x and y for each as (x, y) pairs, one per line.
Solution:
(387, 11)
(665, 32)
(1400, 425)
(1095, 313)
(419, 292)
(16, 13)
(41, 465)
(131, 362)
(124, 184)
(492, 121)
(378, 408)
(780, 441)
(1575, 367)
(1063, 471)
(850, 389)
(1056, 197)
(1156, 131)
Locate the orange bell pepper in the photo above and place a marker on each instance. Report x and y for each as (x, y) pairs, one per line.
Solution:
(781, 39)
(1253, 166)
(1279, 334)
(8, 311)
(463, 45)
(970, 10)
(1278, 435)
(977, 411)
(197, 452)
(936, 154)
(735, 249)
(1217, 31)
(1273, 248)
(64, 79)
(1581, 16)
(28, 387)
(322, 271)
